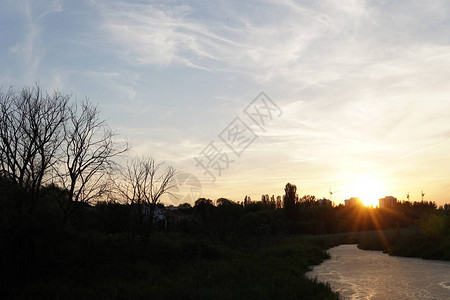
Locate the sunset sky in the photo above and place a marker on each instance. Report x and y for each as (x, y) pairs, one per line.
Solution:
(362, 86)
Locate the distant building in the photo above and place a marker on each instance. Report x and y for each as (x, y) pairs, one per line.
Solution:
(387, 201)
(352, 201)
(167, 216)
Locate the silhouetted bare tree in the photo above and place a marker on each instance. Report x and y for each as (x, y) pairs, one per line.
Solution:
(143, 183)
(87, 158)
(44, 139)
(31, 128)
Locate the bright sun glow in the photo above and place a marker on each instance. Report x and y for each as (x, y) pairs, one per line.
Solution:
(368, 190)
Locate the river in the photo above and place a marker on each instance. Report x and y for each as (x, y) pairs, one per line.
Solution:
(362, 274)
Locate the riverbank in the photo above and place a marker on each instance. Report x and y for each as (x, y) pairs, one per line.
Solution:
(409, 242)
(180, 266)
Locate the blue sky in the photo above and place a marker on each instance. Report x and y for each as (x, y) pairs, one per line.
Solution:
(363, 85)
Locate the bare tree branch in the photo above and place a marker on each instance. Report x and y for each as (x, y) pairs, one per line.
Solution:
(31, 127)
(88, 155)
(143, 183)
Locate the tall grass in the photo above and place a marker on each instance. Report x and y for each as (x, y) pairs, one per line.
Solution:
(179, 266)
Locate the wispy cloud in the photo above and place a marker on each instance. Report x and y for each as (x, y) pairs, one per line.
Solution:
(263, 46)
(30, 49)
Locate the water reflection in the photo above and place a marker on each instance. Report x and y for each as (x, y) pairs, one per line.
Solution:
(361, 274)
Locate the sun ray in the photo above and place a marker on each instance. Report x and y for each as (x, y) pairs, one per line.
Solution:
(373, 214)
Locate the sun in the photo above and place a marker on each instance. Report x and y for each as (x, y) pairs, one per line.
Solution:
(368, 190)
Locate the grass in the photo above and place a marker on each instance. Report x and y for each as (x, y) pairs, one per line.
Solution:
(178, 266)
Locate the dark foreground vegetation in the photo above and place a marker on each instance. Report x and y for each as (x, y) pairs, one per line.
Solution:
(76, 225)
(218, 251)
(96, 256)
